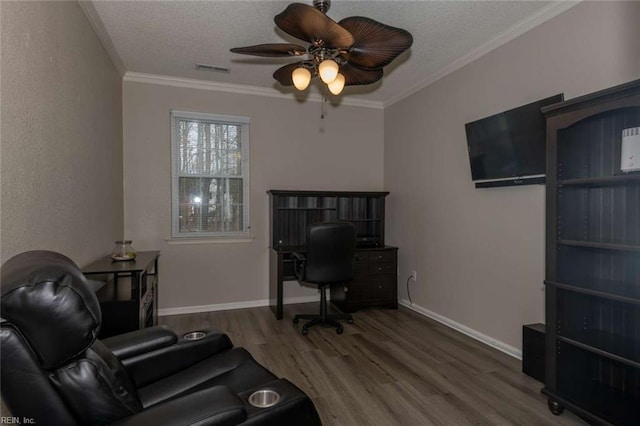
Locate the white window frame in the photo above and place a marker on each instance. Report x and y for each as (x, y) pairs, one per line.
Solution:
(177, 115)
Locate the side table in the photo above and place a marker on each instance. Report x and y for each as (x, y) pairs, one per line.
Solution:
(127, 291)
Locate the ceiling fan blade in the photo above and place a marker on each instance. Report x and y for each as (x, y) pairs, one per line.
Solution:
(308, 23)
(354, 75)
(271, 50)
(376, 44)
(283, 74)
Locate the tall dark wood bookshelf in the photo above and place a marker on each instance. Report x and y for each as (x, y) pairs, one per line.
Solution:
(592, 281)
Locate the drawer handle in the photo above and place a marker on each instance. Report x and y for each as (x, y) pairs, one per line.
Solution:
(380, 286)
(379, 256)
(380, 268)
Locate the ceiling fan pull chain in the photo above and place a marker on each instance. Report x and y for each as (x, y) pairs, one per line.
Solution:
(324, 99)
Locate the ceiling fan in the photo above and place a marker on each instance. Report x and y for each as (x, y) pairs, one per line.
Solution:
(350, 52)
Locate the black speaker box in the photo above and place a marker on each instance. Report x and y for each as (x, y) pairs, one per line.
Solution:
(533, 351)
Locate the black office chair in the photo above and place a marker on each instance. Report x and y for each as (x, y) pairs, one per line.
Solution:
(328, 260)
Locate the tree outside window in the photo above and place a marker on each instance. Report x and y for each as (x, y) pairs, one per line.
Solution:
(210, 175)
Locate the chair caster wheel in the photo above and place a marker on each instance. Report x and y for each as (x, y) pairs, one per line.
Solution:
(305, 331)
(296, 320)
(555, 407)
(339, 330)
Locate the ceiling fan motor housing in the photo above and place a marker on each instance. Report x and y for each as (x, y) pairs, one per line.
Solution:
(322, 5)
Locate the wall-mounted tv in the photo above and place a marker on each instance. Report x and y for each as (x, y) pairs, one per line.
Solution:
(509, 148)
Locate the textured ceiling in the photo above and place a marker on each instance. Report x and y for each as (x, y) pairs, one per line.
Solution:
(169, 37)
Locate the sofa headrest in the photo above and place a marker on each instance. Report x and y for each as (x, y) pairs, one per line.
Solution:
(46, 297)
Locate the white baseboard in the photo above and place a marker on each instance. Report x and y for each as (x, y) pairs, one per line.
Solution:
(490, 341)
(232, 305)
(487, 340)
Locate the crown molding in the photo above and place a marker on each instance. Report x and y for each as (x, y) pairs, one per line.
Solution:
(163, 80)
(98, 27)
(543, 15)
(538, 18)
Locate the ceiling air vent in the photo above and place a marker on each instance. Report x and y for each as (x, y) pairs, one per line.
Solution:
(212, 68)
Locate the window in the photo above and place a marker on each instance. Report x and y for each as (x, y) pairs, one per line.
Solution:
(210, 175)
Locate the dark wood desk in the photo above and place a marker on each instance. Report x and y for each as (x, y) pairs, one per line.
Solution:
(128, 294)
(375, 279)
(292, 211)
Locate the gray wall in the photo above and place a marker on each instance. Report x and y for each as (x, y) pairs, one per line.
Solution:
(291, 148)
(61, 151)
(479, 253)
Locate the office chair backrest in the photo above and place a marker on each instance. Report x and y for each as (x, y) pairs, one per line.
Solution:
(330, 251)
(54, 369)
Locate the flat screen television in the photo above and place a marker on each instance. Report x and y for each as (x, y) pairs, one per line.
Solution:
(509, 148)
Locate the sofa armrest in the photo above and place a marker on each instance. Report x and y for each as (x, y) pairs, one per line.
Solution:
(146, 368)
(141, 341)
(213, 406)
(294, 407)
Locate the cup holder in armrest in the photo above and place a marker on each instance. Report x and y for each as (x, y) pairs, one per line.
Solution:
(264, 398)
(194, 335)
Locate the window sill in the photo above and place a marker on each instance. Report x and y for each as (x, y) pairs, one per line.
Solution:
(221, 240)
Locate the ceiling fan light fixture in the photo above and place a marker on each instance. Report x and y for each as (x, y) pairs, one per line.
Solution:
(328, 70)
(357, 47)
(337, 85)
(301, 78)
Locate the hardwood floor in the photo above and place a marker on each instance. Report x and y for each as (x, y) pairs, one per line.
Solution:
(390, 367)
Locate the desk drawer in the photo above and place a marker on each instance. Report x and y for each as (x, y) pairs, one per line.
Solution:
(374, 283)
(383, 256)
(382, 268)
(375, 289)
(375, 256)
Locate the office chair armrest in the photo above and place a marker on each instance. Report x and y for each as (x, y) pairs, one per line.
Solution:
(212, 406)
(298, 265)
(141, 341)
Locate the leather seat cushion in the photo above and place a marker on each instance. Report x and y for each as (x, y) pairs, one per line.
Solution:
(234, 368)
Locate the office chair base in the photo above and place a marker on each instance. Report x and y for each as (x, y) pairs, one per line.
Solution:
(328, 320)
(323, 317)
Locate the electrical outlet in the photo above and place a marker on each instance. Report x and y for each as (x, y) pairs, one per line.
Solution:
(414, 275)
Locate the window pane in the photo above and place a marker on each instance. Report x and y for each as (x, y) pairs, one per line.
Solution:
(210, 204)
(209, 148)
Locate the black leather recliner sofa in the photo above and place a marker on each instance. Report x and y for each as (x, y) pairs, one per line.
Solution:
(55, 371)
